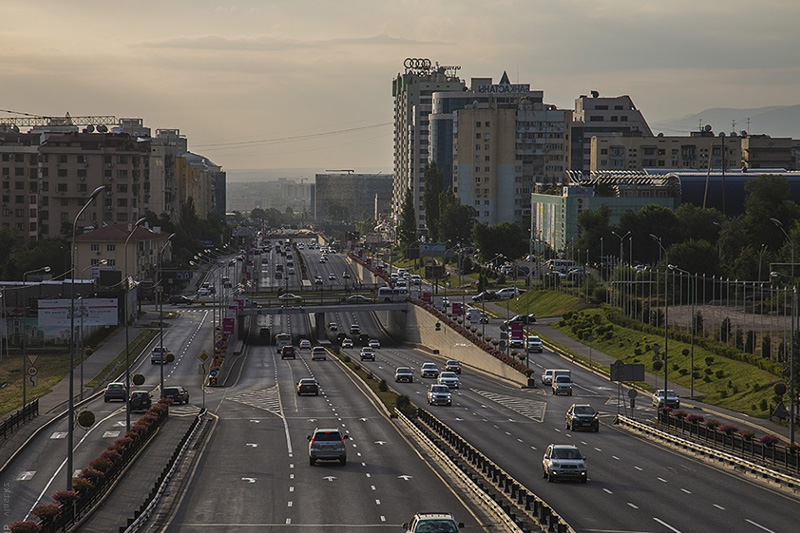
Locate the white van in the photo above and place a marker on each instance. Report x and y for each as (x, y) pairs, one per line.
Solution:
(560, 265)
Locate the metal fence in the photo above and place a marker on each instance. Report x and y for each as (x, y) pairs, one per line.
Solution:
(16, 420)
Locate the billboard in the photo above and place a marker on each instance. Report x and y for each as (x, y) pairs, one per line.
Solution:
(432, 249)
(88, 311)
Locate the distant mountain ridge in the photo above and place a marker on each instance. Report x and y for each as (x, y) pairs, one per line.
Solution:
(775, 121)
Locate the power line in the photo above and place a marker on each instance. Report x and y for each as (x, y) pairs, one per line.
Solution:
(294, 138)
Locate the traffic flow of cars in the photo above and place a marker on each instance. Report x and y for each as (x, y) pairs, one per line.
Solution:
(559, 462)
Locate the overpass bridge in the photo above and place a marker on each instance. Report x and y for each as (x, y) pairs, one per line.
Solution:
(314, 308)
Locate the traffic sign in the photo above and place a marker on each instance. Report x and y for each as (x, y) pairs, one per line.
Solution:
(32, 371)
(213, 372)
(32, 359)
(204, 356)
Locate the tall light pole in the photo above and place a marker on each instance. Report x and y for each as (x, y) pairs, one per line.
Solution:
(24, 339)
(693, 279)
(125, 289)
(160, 292)
(791, 350)
(621, 260)
(666, 311)
(71, 400)
(80, 337)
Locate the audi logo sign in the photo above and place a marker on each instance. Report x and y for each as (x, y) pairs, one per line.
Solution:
(417, 62)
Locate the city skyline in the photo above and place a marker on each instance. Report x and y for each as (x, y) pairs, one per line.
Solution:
(266, 85)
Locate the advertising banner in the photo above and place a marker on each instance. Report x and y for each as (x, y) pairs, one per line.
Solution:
(88, 311)
(432, 249)
(228, 325)
(516, 331)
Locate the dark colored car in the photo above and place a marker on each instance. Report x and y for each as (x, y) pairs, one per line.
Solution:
(327, 445)
(180, 299)
(176, 394)
(115, 391)
(485, 296)
(525, 319)
(307, 386)
(140, 400)
(582, 416)
(288, 351)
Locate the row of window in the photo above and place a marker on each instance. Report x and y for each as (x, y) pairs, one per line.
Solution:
(109, 247)
(34, 159)
(613, 118)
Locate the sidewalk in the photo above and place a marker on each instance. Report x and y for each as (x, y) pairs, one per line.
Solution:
(542, 327)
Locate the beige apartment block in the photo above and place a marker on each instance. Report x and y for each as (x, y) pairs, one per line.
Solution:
(504, 152)
(46, 178)
(108, 243)
(620, 152)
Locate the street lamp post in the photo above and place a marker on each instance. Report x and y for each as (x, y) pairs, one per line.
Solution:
(160, 293)
(693, 280)
(621, 260)
(24, 336)
(125, 289)
(80, 329)
(666, 311)
(792, 342)
(71, 400)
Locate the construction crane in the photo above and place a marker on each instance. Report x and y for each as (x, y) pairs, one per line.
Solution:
(28, 120)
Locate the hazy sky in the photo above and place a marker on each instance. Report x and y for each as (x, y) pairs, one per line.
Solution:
(257, 84)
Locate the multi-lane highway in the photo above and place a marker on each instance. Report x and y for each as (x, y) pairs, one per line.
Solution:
(254, 472)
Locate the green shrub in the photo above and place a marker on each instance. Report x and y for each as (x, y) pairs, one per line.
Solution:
(719, 374)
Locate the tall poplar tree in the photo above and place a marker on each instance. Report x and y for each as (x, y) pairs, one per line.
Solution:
(407, 230)
(434, 187)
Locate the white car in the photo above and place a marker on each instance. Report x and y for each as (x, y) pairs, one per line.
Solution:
(533, 344)
(448, 378)
(439, 395)
(367, 353)
(563, 461)
(347, 342)
(319, 353)
(374, 344)
(507, 293)
(305, 344)
(429, 370)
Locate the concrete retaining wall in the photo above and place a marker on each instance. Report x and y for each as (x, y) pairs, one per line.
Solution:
(421, 329)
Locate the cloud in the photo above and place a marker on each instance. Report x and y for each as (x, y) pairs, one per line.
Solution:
(270, 44)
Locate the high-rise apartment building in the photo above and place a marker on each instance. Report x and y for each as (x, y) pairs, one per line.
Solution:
(596, 116)
(447, 104)
(507, 143)
(412, 92)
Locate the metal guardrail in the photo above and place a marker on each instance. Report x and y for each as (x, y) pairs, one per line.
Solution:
(159, 488)
(777, 456)
(16, 420)
(717, 455)
(532, 508)
(490, 504)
